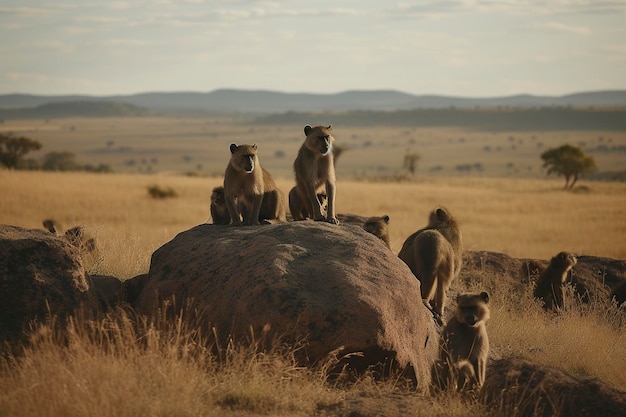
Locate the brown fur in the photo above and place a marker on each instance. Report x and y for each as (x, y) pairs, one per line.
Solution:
(549, 287)
(250, 192)
(296, 205)
(219, 209)
(376, 225)
(74, 235)
(315, 174)
(464, 346)
(435, 255)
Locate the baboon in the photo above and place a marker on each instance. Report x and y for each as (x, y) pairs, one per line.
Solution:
(464, 346)
(74, 235)
(296, 205)
(549, 286)
(219, 210)
(435, 255)
(376, 225)
(250, 192)
(315, 172)
(50, 226)
(379, 227)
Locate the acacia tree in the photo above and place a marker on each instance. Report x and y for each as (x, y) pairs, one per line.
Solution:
(13, 149)
(568, 161)
(410, 161)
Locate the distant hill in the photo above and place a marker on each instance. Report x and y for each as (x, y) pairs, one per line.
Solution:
(267, 102)
(75, 109)
(490, 119)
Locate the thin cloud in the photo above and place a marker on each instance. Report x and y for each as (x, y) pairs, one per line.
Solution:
(561, 27)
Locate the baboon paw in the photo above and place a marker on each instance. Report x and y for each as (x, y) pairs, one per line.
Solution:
(333, 220)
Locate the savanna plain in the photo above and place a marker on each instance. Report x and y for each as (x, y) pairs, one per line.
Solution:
(122, 365)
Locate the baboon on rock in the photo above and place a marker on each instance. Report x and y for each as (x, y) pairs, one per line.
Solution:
(219, 210)
(464, 346)
(297, 205)
(549, 286)
(376, 225)
(435, 256)
(74, 235)
(250, 192)
(315, 173)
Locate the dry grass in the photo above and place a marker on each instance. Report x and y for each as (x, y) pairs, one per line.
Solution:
(167, 144)
(112, 367)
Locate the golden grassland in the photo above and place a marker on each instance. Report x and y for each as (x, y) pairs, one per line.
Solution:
(200, 145)
(112, 367)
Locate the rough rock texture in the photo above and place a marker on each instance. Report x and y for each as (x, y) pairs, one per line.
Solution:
(338, 286)
(40, 275)
(517, 387)
(592, 277)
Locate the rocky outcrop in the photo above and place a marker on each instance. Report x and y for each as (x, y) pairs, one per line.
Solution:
(517, 387)
(41, 276)
(592, 278)
(338, 288)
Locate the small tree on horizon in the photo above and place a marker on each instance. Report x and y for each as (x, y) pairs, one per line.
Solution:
(13, 149)
(569, 161)
(410, 161)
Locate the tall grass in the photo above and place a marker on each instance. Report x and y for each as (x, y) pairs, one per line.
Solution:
(124, 365)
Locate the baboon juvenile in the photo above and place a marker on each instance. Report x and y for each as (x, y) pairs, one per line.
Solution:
(250, 191)
(435, 255)
(219, 210)
(296, 204)
(376, 225)
(315, 172)
(74, 235)
(464, 346)
(549, 286)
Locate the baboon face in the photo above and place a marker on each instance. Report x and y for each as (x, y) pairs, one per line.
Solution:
(564, 261)
(319, 139)
(217, 196)
(244, 157)
(472, 308)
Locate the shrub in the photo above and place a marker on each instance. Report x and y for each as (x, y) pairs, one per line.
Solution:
(155, 191)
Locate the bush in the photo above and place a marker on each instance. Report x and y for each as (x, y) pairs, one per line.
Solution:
(156, 191)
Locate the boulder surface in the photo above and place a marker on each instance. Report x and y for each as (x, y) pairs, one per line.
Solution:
(337, 288)
(41, 275)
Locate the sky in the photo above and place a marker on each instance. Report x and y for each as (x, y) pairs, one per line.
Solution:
(467, 48)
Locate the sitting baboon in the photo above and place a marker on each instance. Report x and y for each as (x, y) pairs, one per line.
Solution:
(435, 255)
(219, 210)
(464, 346)
(315, 173)
(74, 235)
(250, 192)
(296, 205)
(376, 225)
(549, 286)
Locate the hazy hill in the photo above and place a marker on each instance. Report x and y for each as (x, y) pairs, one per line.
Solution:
(259, 101)
(490, 119)
(76, 109)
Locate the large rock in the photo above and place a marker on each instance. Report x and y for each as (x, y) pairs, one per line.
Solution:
(592, 278)
(338, 286)
(40, 275)
(517, 387)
